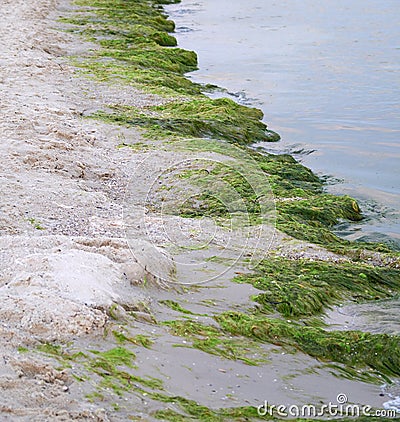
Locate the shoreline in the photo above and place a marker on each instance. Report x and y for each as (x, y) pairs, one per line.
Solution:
(90, 305)
(307, 127)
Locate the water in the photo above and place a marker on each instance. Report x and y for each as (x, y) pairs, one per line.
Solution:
(374, 317)
(326, 75)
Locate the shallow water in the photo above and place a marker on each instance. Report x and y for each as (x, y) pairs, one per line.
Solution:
(326, 75)
(374, 317)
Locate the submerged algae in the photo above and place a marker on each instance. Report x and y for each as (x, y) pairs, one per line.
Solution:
(212, 340)
(360, 350)
(362, 355)
(109, 366)
(304, 288)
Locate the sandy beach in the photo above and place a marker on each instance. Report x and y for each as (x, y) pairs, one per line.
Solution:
(78, 270)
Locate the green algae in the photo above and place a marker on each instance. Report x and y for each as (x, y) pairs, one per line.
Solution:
(359, 350)
(303, 210)
(299, 288)
(138, 339)
(175, 306)
(226, 195)
(132, 36)
(110, 366)
(212, 340)
(51, 349)
(36, 224)
(204, 117)
(95, 396)
(109, 359)
(148, 80)
(113, 378)
(135, 45)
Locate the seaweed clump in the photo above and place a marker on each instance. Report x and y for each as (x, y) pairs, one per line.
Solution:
(137, 48)
(356, 349)
(212, 340)
(300, 288)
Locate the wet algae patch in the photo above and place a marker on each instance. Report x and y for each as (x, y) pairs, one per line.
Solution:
(226, 194)
(111, 366)
(199, 117)
(303, 209)
(355, 349)
(302, 288)
(210, 339)
(351, 354)
(114, 368)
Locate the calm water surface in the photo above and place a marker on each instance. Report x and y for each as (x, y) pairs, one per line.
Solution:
(326, 75)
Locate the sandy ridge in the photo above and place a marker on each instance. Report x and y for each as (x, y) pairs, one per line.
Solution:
(62, 185)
